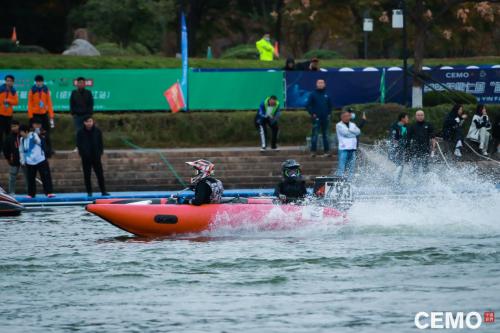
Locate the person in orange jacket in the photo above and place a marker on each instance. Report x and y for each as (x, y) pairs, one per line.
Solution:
(40, 108)
(8, 98)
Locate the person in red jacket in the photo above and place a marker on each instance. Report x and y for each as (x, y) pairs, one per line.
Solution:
(40, 108)
(8, 98)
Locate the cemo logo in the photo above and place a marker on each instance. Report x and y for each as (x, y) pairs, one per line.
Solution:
(452, 320)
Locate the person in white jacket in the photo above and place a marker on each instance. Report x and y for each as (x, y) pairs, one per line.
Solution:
(31, 155)
(347, 134)
(480, 127)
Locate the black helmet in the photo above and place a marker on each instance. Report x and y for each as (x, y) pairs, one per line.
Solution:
(291, 169)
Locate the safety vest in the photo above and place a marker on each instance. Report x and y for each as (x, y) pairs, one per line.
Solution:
(275, 107)
(266, 50)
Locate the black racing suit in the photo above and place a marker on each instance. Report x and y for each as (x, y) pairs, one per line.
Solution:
(293, 190)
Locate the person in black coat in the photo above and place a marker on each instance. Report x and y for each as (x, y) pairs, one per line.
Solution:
(452, 129)
(90, 147)
(319, 105)
(496, 134)
(11, 154)
(421, 142)
(81, 104)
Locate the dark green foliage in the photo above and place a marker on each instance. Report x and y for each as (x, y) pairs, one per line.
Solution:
(7, 46)
(322, 54)
(113, 49)
(48, 61)
(433, 98)
(245, 51)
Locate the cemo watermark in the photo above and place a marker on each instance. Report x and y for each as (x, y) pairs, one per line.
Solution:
(453, 320)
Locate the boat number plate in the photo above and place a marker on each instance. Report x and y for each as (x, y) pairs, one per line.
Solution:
(166, 219)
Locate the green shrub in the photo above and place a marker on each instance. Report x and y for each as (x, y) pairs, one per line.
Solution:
(245, 51)
(7, 46)
(113, 49)
(322, 54)
(138, 49)
(32, 49)
(167, 130)
(433, 98)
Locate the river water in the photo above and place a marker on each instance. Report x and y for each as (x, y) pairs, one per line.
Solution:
(64, 270)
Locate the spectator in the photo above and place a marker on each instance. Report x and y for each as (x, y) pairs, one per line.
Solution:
(496, 134)
(398, 144)
(265, 48)
(421, 142)
(289, 65)
(91, 148)
(312, 65)
(81, 104)
(40, 108)
(268, 115)
(36, 126)
(479, 129)
(11, 153)
(452, 129)
(319, 106)
(347, 133)
(8, 98)
(32, 156)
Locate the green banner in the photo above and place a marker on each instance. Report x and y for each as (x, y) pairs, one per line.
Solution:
(228, 90)
(113, 89)
(142, 89)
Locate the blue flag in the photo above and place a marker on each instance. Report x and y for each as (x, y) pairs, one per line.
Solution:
(184, 52)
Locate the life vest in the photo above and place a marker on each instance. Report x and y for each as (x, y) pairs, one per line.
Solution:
(217, 189)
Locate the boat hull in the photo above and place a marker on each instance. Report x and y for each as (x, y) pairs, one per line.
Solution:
(9, 206)
(155, 220)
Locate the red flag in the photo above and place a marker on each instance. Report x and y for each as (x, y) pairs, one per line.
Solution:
(175, 98)
(14, 35)
(276, 50)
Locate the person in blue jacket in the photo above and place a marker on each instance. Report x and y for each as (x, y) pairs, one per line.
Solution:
(319, 106)
(268, 115)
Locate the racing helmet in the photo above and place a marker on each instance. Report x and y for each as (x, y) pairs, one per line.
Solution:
(291, 169)
(202, 168)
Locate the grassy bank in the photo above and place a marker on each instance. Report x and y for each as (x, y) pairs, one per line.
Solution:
(47, 61)
(218, 129)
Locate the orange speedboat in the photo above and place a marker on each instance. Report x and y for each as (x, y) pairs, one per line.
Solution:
(154, 218)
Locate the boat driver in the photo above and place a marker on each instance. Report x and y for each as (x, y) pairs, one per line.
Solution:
(207, 189)
(292, 187)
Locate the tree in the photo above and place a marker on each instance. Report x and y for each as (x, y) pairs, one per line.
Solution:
(127, 21)
(426, 15)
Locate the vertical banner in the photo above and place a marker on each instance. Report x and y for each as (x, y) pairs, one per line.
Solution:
(382, 87)
(184, 52)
